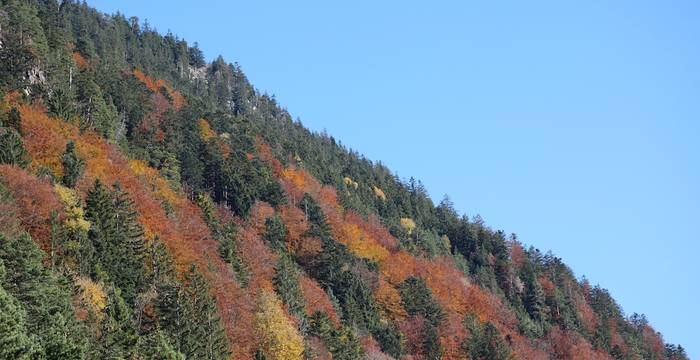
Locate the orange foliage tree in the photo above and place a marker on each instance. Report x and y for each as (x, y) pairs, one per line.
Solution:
(183, 230)
(317, 300)
(296, 224)
(35, 201)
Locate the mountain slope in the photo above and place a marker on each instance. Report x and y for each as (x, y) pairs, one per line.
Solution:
(163, 208)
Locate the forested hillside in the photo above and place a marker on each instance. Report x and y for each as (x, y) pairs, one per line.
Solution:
(156, 206)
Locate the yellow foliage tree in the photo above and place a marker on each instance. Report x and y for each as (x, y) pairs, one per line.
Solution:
(279, 338)
(205, 131)
(360, 243)
(408, 224)
(350, 182)
(389, 301)
(379, 193)
(75, 217)
(92, 295)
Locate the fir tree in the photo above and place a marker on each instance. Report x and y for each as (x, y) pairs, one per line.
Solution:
(11, 149)
(204, 338)
(72, 166)
(15, 341)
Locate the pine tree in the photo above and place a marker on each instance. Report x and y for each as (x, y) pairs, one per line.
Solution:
(11, 149)
(43, 297)
(118, 239)
(205, 338)
(14, 120)
(275, 233)
(155, 346)
(15, 341)
(72, 166)
(128, 268)
(286, 283)
(118, 337)
(485, 342)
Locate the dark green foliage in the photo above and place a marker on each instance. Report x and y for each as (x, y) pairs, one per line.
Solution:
(15, 341)
(676, 352)
(13, 120)
(72, 166)
(275, 233)
(43, 297)
(117, 335)
(11, 149)
(342, 343)
(188, 315)
(205, 338)
(417, 299)
(431, 343)
(390, 339)
(286, 283)
(155, 346)
(485, 342)
(117, 238)
(23, 43)
(227, 250)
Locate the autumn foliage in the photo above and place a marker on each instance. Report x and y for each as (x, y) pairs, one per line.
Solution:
(35, 202)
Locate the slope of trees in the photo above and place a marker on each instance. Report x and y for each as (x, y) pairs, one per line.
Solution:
(156, 206)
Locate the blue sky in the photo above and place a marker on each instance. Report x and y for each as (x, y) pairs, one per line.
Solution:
(575, 124)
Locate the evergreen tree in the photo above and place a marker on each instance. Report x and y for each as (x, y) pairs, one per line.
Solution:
(286, 283)
(485, 342)
(275, 233)
(417, 299)
(117, 237)
(72, 166)
(155, 346)
(43, 297)
(14, 120)
(15, 341)
(204, 338)
(188, 315)
(118, 338)
(11, 149)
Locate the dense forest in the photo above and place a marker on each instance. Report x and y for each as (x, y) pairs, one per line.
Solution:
(156, 206)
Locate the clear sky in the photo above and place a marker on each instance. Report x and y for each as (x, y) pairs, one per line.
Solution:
(575, 124)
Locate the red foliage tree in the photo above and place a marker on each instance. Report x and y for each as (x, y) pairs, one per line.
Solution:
(35, 201)
(297, 225)
(317, 300)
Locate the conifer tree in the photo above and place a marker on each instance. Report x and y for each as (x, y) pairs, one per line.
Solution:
(72, 166)
(117, 238)
(14, 120)
(485, 341)
(205, 338)
(286, 282)
(118, 337)
(11, 149)
(15, 341)
(45, 300)
(155, 346)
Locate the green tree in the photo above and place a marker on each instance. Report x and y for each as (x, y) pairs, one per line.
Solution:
(286, 283)
(72, 166)
(205, 338)
(275, 233)
(14, 120)
(117, 336)
(118, 239)
(15, 341)
(155, 346)
(484, 342)
(11, 149)
(44, 298)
